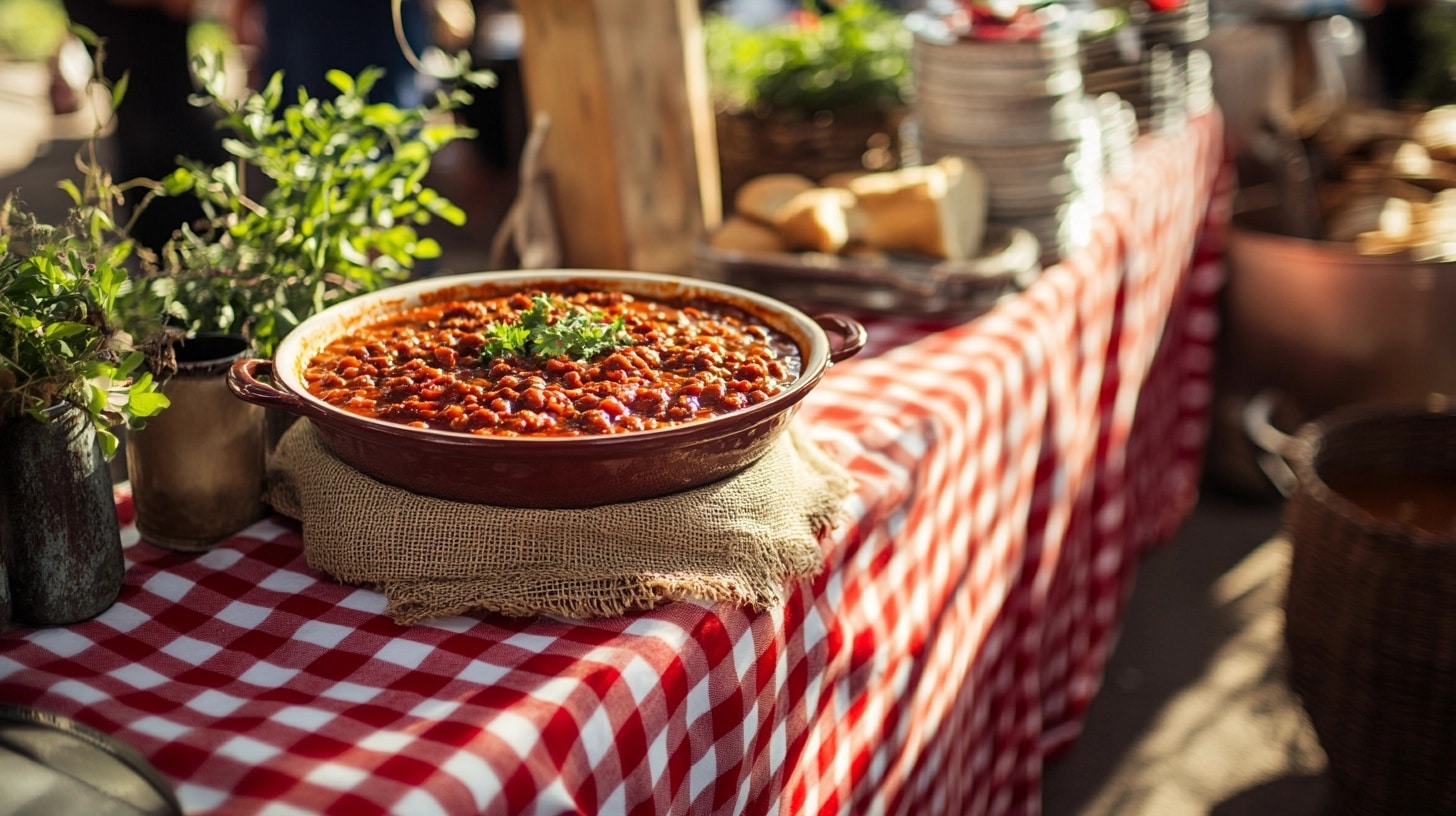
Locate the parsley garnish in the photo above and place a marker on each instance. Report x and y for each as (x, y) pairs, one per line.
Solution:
(574, 333)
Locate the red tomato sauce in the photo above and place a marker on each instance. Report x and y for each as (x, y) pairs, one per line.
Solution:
(427, 367)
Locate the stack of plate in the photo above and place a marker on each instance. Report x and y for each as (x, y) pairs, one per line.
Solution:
(1144, 57)
(1198, 81)
(1112, 58)
(1169, 38)
(1181, 27)
(1016, 108)
(1119, 124)
(1166, 110)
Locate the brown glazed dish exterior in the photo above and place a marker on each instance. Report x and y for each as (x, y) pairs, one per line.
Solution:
(545, 472)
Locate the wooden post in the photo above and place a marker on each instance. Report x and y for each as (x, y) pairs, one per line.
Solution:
(631, 152)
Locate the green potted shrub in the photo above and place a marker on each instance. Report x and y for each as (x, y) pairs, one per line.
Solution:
(68, 375)
(813, 94)
(322, 201)
(342, 200)
(61, 345)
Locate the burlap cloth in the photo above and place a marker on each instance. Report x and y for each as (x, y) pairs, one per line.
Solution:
(741, 540)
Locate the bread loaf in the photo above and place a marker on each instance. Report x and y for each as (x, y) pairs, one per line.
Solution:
(761, 197)
(746, 235)
(816, 219)
(843, 178)
(937, 210)
(1435, 130)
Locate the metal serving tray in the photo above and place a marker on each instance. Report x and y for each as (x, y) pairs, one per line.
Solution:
(892, 284)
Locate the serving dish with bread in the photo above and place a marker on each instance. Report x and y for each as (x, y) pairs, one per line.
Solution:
(914, 240)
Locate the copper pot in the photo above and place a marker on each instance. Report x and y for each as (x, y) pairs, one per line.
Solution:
(1321, 326)
(548, 472)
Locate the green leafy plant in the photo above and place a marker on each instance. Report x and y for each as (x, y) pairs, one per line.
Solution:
(855, 58)
(554, 328)
(61, 340)
(338, 216)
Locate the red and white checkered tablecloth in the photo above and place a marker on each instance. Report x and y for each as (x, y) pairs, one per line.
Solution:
(1009, 471)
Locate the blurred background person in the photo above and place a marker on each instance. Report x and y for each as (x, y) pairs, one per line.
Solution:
(147, 41)
(305, 39)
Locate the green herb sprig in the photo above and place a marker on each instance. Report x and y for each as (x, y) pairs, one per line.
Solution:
(554, 328)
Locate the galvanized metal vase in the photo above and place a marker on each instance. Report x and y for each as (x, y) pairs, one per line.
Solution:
(58, 532)
(196, 469)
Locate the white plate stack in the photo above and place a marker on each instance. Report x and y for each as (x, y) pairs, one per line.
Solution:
(1114, 61)
(1170, 39)
(1151, 60)
(1198, 81)
(1119, 124)
(1017, 109)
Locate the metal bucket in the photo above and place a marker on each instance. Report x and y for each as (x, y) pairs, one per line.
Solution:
(1322, 327)
(197, 468)
(59, 536)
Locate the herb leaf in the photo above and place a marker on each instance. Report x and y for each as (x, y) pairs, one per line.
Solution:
(574, 332)
(341, 211)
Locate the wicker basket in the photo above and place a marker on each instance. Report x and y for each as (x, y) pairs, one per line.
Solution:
(1370, 619)
(754, 143)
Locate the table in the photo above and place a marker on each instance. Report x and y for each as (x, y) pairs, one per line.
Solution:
(1010, 470)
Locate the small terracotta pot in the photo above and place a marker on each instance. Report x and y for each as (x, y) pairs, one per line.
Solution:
(197, 467)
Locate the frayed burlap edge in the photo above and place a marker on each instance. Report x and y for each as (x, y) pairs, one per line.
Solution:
(742, 540)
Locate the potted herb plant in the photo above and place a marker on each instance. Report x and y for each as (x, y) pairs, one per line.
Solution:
(68, 374)
(813, 94)
(322, 201)
(341, 198)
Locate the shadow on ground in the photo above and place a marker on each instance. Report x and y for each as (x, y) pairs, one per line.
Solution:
(1194, 717)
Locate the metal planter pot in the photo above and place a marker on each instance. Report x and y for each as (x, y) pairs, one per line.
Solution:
(196, 469)
(59, 534)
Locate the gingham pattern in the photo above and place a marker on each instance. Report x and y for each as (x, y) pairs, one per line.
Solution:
(1009, 470)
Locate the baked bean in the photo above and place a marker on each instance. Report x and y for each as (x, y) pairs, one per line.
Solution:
(428, 367)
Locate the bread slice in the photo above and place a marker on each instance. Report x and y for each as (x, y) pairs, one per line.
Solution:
(760, 197)
(937, 209)
(747, 235)
(843, 178)
(1435, 130)
(816, 219)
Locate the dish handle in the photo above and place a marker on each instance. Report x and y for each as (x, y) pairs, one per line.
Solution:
(242, 380)
(1277, 450)
(850, 333)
